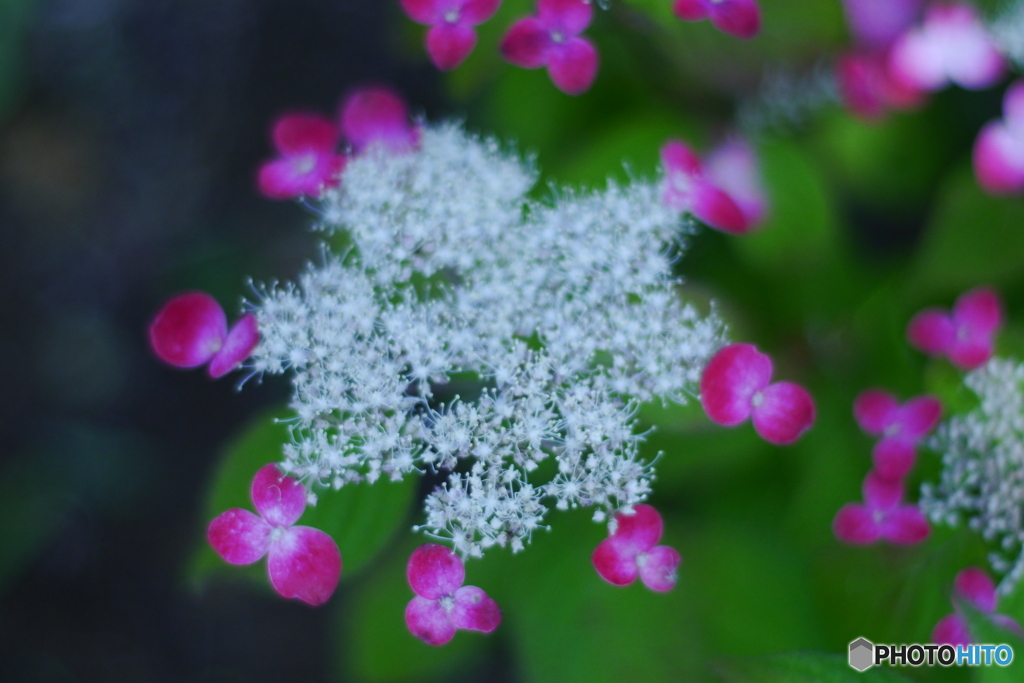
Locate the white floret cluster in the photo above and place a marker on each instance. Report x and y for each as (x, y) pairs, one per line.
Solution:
(1007, 31)
(982, 482)
(565, 312)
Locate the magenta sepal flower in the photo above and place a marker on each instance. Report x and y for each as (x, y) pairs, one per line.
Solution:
(442, 604)
(688, 188)
(867, 87)
(191, 330)
(999, 148)
(967, 335)
(303, 562)
(732, 167)
(881, 517)
(901, 426)
(632, 551)
(951, 45)
(875, 24)
(740, 18)
(308, 161)
(451, 36)
(976, 587)
(736, 385)
(552, 39)
(378, 115)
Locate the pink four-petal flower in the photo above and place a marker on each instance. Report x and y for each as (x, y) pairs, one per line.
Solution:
(442, 604)
(881, 516)
(999, 148)
(901, 426)
(736, 385)
(303, 562)
(632, 550)
(951, 45)
(976, 587)
(309, 161)
(191, 330)
(740, 18)
(378, 115)
(687, 187)
(451, 36)
(967, 335)
(552, 39)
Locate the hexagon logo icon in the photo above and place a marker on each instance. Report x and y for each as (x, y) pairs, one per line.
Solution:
(862, 653)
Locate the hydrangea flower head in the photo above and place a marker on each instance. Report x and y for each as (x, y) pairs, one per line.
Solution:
(303, 562)
(551, 38)
(882, 516)
(901, 427)
(308, 160)
(451, 36)
(966, 336)
(632, 550)
(378, 115)
(192, 330)
(442, 604)
(999, 148)
(951, 46)
(740, 18)
(975, 587)
(736, 385)
(687, 187)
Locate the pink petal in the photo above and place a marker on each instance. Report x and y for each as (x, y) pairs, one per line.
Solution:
(972, 60)
(931, 331)
(918, 61)
(858, 81)
(239, 536)
(478, 11)
(427, 12)
(877, 23)
(855, 524)
(998, 158)
(732, 167)
(613, 564)
(280, 499)
(951, 630)
(299, 175)
(740, 18)
(690, 10)
(971, 353)
(1008, 623)
(567, 17)
(977, 587)
(238, 346)
(784, 412)
(526, 44)
(658, 568)
(875, 410)
(730, 380)
(905, 525)
(188, 330)
(573, 66)
(638, 532)
(881, 494)
(475, 610)
(893, 458)
(676, 157)
(429, 621)
(378, 114)
(434, 571)
(718, 210)
(304, 563)
(978, 312)
(449, 44)
(303, 133)
(918, 416)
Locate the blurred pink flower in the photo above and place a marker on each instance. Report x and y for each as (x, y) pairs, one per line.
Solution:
(740, 18)
(732, 167)
(881, 517)
(999, 148)
(192, 330)
(967, 335)
(377, 114)
(442, 604)
(867, 87)
(687, 188)
(552, 39)
(451, 36)
(875, 24)
(901, 426)
(308, 160)
(632, 550)
(735, 385)
(974, 586)
(303, 562)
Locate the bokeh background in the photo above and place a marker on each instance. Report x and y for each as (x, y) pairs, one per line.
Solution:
(130, 131)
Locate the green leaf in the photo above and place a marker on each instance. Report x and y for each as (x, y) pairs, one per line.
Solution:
(803, 667)
(984, 630)
(360, 518)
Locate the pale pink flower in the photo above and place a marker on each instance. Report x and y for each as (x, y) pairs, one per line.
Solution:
(632, 551)
(688, 188)
(736, 385)
(192, 330)
(974, 586)
(302, 562)
(442, 604)
(881, 516)
(308, 160)
(875, 24)
(733, 168)
(901, 427)
(552, 39)
(740, 18)
(967, 335)
(999, 148)
(451, 36)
